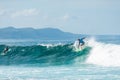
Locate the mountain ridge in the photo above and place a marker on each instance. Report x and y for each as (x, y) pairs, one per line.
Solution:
(31, 33)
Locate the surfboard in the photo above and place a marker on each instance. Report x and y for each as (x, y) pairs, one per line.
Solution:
(79, 49)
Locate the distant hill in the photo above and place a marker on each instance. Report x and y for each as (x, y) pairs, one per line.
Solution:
(30, 33)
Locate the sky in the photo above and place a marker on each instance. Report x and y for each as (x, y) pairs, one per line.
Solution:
(76, 16)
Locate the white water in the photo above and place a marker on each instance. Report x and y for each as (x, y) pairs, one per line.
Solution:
(51, 45)
(104, 54)
(58, 73)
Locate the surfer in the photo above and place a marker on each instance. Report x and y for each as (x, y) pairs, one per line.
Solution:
(5, 49)
(79, 43)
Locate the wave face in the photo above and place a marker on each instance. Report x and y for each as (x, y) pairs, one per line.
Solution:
(103, 54)
(42, 55)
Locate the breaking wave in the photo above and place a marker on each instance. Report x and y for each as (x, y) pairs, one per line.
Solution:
(97, 53)
(103, 54)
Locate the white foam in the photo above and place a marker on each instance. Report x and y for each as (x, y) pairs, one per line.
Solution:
(104, 54)
(51, 45)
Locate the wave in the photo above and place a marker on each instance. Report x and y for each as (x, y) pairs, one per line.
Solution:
(42, 55)
(103, 54)
(97, 53)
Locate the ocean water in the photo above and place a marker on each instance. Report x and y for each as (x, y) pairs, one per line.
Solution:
(57, 60)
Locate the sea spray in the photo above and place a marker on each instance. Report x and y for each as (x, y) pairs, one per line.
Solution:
(103, 54)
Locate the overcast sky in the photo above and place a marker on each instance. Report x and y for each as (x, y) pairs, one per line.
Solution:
(76, 16)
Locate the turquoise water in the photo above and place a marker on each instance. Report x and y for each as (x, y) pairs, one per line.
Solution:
(85, 72)
(57, 60)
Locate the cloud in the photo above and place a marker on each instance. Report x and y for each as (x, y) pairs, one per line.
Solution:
(65, 17)
(2, 12)
(26, 12)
